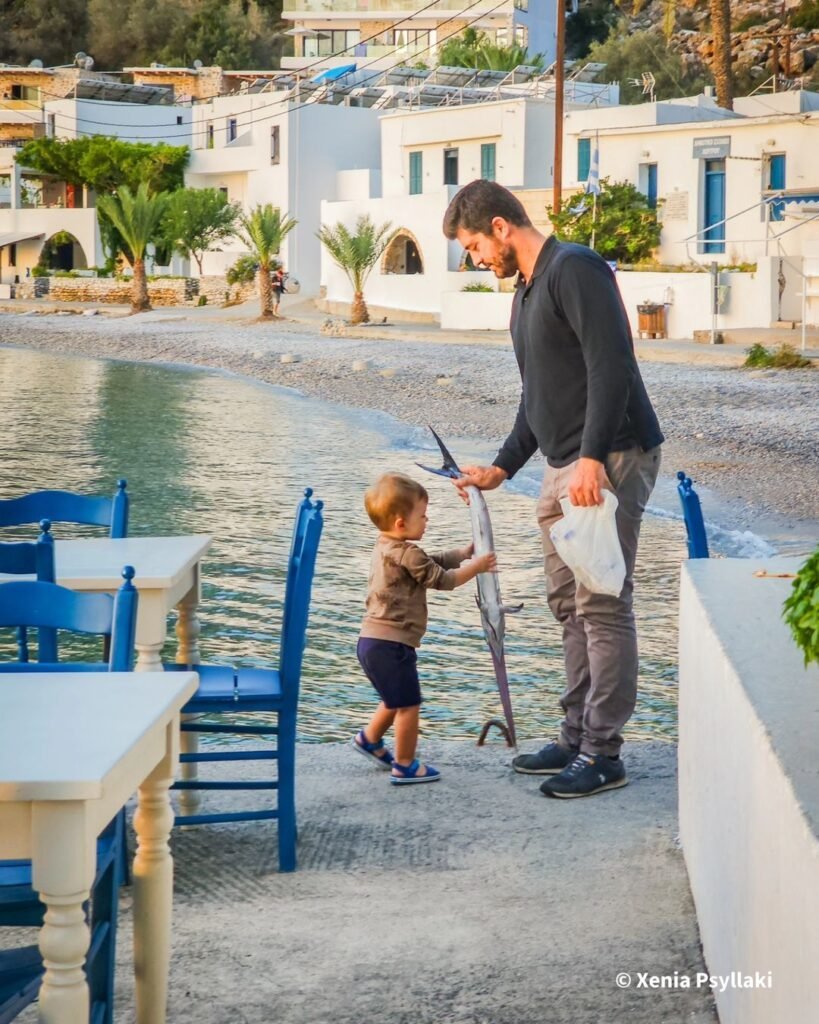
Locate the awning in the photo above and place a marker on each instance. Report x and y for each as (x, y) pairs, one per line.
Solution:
(333, 74)
(12, 237)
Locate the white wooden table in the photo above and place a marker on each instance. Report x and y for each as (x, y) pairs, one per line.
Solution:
(167, 577)
(73, 748)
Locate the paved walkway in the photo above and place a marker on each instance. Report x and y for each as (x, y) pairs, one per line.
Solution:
(471, 901)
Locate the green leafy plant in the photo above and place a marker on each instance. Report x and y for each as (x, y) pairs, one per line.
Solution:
(197, 220)
(806, 15)
(474, 49)
(624, 226)
(357, 252)
(627, 55)
(263, 231)
(243, 271)
(801, 609)
(39, 271)
(477, 286)
(784, 358)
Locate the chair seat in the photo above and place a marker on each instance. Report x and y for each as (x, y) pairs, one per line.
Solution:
(221, 685)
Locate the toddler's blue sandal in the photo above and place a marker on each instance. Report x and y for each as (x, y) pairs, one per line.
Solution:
(371, 750)
(409, 774)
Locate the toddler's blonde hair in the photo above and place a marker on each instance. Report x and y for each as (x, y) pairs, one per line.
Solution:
(391, 496)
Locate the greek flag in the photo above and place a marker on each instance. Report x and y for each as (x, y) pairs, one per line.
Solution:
(593, 180)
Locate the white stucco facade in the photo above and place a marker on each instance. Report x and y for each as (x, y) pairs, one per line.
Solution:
(685, 144)
(280, 153)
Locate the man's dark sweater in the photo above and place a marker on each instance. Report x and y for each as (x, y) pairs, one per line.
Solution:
(583, 395)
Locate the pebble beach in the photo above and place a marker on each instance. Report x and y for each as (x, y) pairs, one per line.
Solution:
(749, 438)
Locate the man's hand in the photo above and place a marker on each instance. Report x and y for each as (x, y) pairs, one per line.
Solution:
(587, 483)
(485, 478)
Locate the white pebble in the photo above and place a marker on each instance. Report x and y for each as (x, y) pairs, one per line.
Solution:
(359, 365)
(288, 357)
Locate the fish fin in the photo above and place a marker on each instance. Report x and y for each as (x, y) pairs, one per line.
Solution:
(511, 609)
(450, 466)
(437, 472)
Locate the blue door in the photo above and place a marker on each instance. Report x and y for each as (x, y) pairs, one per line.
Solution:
(651, 186)
(776, 182)
(714, 230)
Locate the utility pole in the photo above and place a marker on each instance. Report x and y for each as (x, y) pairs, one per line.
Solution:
(557, 176)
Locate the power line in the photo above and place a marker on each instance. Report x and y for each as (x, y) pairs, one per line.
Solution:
(278, 103)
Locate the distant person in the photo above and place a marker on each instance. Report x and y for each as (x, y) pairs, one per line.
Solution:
(277, 284)
(584, 406)
(396, 619)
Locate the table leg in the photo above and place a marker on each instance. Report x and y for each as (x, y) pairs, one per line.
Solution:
(63, 870)
(149, 658)
(187, 653)
(153, 889)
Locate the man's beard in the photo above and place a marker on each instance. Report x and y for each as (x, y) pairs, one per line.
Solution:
(505, 263)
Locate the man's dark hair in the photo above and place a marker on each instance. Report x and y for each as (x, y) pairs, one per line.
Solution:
(477, 203)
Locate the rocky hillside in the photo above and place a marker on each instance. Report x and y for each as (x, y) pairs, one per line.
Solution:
(764, 34)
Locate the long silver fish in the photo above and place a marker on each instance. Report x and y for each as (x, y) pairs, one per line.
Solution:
(493, 610)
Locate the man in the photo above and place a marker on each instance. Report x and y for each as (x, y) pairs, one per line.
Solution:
(584, 405)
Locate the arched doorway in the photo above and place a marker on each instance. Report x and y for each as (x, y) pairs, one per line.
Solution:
(403, 255)
(63, 252)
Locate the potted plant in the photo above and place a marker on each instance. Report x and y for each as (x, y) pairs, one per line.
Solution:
(801, 609)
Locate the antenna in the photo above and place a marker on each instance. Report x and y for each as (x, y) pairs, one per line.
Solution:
(649, 82)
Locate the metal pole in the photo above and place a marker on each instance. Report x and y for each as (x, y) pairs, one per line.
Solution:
(557, 176)
(714, 300)
(804, 306)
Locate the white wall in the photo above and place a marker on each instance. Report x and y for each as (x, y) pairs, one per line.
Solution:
(680, 176)
(748, 787)
(132, 122)
(476, 311)
(82, 223)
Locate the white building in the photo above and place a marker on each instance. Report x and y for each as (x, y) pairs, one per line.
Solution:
(718, 176)
(266, 148)
(425, 156)
(382, 33)
(34, 207)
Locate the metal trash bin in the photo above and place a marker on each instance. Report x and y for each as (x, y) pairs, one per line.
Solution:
(651, 320)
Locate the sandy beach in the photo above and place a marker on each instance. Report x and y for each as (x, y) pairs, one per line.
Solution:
(748, 438)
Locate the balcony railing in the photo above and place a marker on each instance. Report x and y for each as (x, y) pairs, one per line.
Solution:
(364, 7)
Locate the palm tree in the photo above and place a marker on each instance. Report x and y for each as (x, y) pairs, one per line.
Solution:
(137, 218)
(263, 230)
(357, 254)
(721, 28)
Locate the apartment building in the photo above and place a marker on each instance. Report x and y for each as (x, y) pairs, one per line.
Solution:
(381, 33)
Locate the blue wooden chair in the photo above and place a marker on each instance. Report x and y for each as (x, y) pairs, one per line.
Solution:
(29, 558)
(225, 690)
(692, 514)
(40, 604)
(68, 507)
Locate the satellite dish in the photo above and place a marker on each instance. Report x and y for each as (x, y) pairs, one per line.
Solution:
(79, 57)
(36, 63)
(88, 63)
(197, 64)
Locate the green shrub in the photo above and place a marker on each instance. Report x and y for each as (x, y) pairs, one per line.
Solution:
(40, 271)
(806, 15)
(243, 271)
(624, 226)
(801, 609)
(64, 273)
(784, 358)
(477, 286)
(202, 300)
(750, 21)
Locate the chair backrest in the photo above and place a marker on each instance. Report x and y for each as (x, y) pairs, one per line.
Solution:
(30, 558)
(68, 507)
(692, 514)
(34, 603)
(300, 569)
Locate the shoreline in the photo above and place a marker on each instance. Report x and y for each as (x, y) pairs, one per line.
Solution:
(747, 439)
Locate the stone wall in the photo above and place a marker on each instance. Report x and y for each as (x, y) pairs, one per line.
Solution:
(169, 291)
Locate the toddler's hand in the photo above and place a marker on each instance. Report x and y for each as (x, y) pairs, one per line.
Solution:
(487, 562)
(467, 552)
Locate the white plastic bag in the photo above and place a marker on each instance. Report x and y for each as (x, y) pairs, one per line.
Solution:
(586, 539)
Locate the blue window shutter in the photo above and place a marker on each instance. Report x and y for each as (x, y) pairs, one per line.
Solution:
(583, 158)
(776, 181)
(416, 168)
(488, 161)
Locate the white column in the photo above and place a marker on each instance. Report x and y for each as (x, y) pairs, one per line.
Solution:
(187, 653)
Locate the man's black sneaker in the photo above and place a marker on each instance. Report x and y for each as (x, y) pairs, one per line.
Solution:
(586, 775)
(550, 760)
